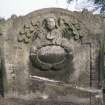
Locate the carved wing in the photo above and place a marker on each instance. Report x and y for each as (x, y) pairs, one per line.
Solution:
(69, 29)
(29, 32)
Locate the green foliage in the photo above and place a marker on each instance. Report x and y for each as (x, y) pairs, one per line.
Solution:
(96, 1)
(99, 1)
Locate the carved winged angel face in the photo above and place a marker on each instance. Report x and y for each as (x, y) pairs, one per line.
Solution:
(50, 23)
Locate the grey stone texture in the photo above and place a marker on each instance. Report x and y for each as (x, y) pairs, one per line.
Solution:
(53, 55)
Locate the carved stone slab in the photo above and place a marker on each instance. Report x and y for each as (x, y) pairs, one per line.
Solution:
(53, 55)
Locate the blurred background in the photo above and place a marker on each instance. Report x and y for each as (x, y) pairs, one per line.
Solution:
(23, 7)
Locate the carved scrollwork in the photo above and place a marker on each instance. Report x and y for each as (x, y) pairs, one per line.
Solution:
(33, 30)
(69, 29)
(28, 32)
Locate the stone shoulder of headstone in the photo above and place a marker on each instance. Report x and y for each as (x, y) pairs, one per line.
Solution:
(103, 14)
(2, 20)
(85, 11)
(0, 28)
(13, 16)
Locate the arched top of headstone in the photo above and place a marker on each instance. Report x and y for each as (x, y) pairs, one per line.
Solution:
(78, 23)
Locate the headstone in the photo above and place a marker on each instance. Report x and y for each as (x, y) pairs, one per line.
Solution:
(53, 56)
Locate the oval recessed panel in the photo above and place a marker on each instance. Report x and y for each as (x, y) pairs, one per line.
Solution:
(51, 54)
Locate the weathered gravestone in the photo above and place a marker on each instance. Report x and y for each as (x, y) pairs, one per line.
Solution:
(54, 57)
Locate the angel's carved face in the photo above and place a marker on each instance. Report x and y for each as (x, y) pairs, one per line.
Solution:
(50, 23)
